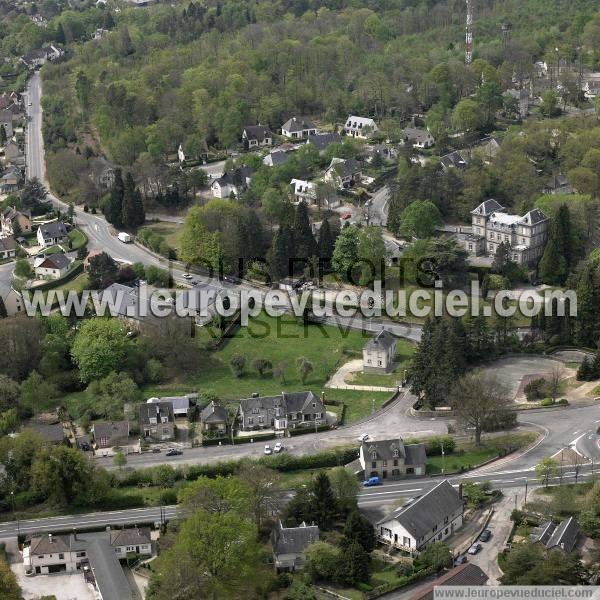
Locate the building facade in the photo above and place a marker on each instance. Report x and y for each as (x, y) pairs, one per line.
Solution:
(392, 459)
(379, 353)
(525, 235)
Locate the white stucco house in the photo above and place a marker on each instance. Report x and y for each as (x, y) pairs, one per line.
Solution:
(361, 127)
(433, 517)
(51, 267)
(50, 234)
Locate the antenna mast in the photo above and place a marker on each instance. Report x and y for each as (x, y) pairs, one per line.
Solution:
(469, 34)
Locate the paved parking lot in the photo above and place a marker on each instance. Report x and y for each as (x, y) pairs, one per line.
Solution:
(512, 369)
(64, 587)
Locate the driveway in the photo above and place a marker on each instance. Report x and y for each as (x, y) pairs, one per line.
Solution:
(511, 370)
(63, 587)
(338, 379)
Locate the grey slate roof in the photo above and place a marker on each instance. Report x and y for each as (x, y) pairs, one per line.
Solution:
(453, 159)
(178, 402)
(56, 261)
(213, 413)
(322, 140)
(278, 157)
(257, 132)
(487, 208)
(53, 544)
(7, 244)
(55, 229)
(156, 410)
(298, 124)
(293, 540)
(564, 536)
(130, 537)
(345, 167)
(468, 575)
(113, 431)
(543, 532)
(413, 454)
(420, 516)
(108, 572)
(284, 403)
(534, 216)
(414, 134)
(236, 176)
(51, 433)
(384, 339)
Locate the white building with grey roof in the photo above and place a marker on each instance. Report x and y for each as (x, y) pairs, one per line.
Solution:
(392, 459)
(433, 517)
(379, 353)
(525, 235)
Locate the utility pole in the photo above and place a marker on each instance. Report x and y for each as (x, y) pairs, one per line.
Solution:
(525, 501)
(443, 458)
(469, 34)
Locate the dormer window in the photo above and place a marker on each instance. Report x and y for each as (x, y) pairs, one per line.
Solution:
(374, 455)
(396, 452)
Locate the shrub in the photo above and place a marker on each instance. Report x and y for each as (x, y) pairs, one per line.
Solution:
(535, 389)
(168, 497)
(563, 402)
(547, 402)
(434, 445)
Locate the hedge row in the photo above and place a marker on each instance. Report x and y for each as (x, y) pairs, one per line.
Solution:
(282, 462)
(386, 588)
(305, 430)
(54, 283)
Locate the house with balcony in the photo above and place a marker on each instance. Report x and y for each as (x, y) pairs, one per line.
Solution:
(392, 459)
(287, 410)
(432, 517)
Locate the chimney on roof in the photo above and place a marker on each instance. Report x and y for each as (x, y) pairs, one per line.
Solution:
(50, 540)
(323, 396)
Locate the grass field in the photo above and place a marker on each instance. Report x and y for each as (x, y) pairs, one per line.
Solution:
(170, 231)
(78, 239)
(404, 352)
(282, 342)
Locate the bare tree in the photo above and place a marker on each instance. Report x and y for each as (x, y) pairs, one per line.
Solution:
(262, 484)
(477, 398)
(555, 381)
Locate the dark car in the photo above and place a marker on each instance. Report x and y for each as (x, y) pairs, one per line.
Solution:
(173, 452)
(461, 560)
(486, 534)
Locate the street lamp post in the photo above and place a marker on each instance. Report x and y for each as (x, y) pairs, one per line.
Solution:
(443, 458)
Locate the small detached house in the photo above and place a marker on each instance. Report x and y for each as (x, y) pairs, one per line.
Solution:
(111, 434)
(275, 158)
(392, 459)
(343, 172)
(214, 418)
(131, 541)
(157, 422)
(361, 127)
(52, 267)
(418, 138)
(181, 404)
(289, 545)
(51, 434)
(232, 182)
(298, 128)
(51, 234)
(256, 136)
(303, 191)
(461, 575)
(562, 537)
(10, 180)
(50, 553)
(433, 517)
(322, 141)
(379, 353)
(8, 248)
(9, 219)
(286, 411)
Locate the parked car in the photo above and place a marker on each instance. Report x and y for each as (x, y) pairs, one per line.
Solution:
(371, 482)
(268, 449)
(461, 560)
(486, 534)
(85, 446)
(174, 452)
(363, 437)
(475, 548)
(187, 276)
(278, 447)
(156, 450)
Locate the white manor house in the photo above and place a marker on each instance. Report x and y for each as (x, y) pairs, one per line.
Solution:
(492, 225)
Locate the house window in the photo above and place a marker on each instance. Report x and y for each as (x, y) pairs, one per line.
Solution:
(396, 452)
(395, 462)
(445, 520)
(61, 556)
(250, 420)
(373, 455)
(385, 463)
(261, 419)
(374, 465)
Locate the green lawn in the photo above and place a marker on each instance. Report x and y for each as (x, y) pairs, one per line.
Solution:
(78, 239)
(170, 231)
(404, 352)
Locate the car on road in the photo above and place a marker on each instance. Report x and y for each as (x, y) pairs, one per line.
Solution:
(30, 104)
(278, 447)
(486, 534)
(194, 282)
(268, 449)
(187, 276)
(363, 437)
(475, 548)
(371, 482)
(174, 452)
(461, 560)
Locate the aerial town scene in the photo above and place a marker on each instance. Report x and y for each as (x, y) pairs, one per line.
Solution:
(299, 299)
